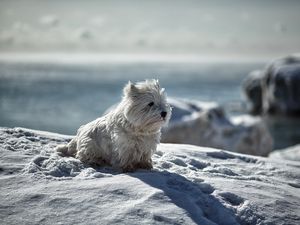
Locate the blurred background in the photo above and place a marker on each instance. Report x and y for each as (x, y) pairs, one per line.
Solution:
(211, 28)
(63, 63)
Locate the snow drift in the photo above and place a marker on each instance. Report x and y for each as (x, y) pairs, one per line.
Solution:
(206, 124)
(188, 185)
(290, 153)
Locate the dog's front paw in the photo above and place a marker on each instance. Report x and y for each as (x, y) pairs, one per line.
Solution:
(145, 165)
(128, 169)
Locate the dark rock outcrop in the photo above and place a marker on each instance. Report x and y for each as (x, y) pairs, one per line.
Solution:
(275, 90)
(252, 87)
(281, 87)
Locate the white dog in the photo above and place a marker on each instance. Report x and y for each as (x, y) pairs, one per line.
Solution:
(127, 136)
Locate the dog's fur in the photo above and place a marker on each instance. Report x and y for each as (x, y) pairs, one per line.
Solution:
(127, 136)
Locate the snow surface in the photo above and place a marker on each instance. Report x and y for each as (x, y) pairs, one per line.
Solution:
(188, 185)
(290, 153)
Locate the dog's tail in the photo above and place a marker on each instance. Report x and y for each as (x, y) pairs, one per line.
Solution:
(67, 150)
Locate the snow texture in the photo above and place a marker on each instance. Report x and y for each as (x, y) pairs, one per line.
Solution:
(188, 185)
(290, 153)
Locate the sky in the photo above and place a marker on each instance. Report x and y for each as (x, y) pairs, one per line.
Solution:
(221, 28)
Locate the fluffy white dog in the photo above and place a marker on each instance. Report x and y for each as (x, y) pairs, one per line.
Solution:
(127, 136)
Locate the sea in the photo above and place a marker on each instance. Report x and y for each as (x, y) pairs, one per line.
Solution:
(59, 94)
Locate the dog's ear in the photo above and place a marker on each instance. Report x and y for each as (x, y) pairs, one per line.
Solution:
(130, 90)
(157, 83)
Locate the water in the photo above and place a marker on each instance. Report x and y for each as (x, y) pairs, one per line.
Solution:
(59, 97)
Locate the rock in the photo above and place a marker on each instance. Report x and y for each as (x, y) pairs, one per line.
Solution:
(281, 93)
(252, 87)
(284, 130)
(291, 153)
(205, 124)
(278, 85)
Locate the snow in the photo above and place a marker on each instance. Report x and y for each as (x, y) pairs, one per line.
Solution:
(290, 153)
(188, 185)
(206, 124)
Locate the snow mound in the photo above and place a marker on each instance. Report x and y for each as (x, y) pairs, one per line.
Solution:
(291, 153)
(206, 124)
(55, 167)
(188, 185)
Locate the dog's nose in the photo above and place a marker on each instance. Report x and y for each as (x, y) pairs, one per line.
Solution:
(163, 114)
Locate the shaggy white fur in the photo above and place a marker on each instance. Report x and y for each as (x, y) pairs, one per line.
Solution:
(127, 136)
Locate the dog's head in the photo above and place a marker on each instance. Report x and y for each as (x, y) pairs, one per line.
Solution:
(145, 105)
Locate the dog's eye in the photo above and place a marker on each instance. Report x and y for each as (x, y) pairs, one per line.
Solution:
(151, 104)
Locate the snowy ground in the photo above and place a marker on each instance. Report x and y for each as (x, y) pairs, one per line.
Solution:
(188, 185)
(290, 153)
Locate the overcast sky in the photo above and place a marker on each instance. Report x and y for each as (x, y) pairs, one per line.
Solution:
(256, 28)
